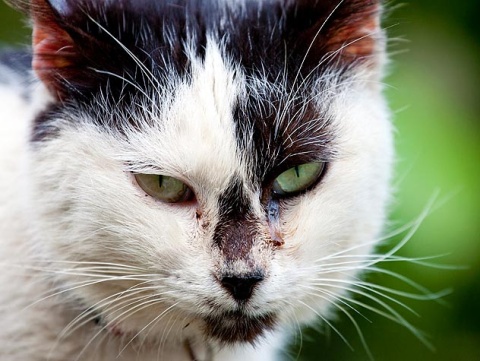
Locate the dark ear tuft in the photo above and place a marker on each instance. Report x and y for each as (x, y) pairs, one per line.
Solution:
(342, 32)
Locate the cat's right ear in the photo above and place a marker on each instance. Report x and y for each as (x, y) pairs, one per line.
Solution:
(56, 58)
(63, 51)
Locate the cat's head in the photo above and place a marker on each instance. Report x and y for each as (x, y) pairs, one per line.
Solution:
(219, 168)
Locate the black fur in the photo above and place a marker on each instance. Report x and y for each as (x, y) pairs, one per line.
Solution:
(274, 36)
(44, 125)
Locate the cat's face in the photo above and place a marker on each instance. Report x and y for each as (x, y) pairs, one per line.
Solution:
(279, 168)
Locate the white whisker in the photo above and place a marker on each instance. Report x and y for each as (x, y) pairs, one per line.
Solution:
(327, 323)
(155, 319)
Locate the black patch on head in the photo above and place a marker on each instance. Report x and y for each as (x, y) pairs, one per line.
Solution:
(283, 48)
(119, 43)
(301, 38)
(272, 37)
(279, 133)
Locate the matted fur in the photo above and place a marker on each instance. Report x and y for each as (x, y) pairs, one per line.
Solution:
(92, 268)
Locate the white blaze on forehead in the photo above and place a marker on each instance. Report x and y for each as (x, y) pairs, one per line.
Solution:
(196, 137)
(203, 121)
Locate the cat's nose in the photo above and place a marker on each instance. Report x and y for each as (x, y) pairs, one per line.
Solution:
(241, 288)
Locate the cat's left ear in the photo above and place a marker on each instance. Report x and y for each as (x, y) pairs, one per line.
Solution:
(339, 33)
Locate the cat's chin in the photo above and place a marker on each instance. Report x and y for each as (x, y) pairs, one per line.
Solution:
(238, 327)
(226, 327)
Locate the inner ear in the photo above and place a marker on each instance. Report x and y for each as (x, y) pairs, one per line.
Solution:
(67, 46)
(355, 31)
(54, 51)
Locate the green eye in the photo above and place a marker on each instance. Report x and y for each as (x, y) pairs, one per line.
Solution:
(164, 188)
(297, 179)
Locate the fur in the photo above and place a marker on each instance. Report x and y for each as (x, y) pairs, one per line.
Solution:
(95, 269)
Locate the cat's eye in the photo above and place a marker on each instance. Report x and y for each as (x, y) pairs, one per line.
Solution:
(164, 188)
(297, 179)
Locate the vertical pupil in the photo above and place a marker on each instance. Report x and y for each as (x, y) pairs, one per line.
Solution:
(297, 171)
(160, 181)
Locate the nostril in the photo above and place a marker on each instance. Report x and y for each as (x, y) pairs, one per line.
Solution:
(241, 288)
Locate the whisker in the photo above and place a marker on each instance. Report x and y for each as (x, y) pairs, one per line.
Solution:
(426, 211)
(349, 316)
(332, 295)
(299, 332)
(158, 317)
(118, 299)
(166, 332)
(412, 283)
(341, 285)
(146, 302)
(392, 315)
(327, 323)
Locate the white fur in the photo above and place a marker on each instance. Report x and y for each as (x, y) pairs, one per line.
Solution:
(69, 207)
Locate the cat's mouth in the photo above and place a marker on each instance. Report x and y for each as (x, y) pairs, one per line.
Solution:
(236, 326)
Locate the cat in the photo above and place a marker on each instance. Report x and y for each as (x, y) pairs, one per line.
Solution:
(188, 180)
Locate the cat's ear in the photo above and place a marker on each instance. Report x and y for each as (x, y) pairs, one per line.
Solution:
(55, 56)
(341, 33)
(59, 61)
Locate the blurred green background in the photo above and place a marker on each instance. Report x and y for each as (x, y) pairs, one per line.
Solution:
(433, 90)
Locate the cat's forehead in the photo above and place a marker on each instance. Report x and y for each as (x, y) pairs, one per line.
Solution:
(223, 125)
(240, 83)
(194, 134)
